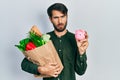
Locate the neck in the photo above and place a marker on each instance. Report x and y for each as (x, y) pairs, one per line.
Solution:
(59, 34)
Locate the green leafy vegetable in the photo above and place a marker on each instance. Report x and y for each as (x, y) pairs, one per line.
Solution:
(34, 39)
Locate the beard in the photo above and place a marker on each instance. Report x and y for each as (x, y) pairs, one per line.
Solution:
(60, 29)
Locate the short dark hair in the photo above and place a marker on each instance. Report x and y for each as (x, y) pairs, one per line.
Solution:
(57, 6)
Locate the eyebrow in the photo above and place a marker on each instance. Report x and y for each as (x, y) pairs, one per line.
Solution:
(60, 16)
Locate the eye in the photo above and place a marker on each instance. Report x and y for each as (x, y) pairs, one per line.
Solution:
(55, 17)
(62, 16)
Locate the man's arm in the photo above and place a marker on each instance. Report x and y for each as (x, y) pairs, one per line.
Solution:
(29, 67)
(50, 69)
(81, 58)
(81, 63)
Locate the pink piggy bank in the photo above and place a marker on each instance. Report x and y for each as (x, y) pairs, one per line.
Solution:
(80, 34)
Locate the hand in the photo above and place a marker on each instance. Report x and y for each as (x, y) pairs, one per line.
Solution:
(83, 44)
(51, 69)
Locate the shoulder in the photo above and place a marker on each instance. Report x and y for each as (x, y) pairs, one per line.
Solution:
(51, 32)
(71, 35)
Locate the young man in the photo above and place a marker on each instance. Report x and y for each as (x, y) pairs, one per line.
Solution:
(72, 52)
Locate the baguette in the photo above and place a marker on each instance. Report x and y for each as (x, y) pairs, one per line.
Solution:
(36, 30)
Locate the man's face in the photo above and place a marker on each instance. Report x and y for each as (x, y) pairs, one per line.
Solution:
(59, 20)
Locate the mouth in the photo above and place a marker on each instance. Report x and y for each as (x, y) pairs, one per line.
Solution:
(60, 25)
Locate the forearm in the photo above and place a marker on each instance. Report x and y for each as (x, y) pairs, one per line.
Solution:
(81, 64)
(29, 67)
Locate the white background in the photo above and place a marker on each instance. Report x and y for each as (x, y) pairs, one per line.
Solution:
(100, 18)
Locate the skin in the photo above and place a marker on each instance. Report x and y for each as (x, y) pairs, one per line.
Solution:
(59, 21)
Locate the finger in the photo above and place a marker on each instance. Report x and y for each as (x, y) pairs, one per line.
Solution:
(55, 75)
(84, 40)
(57, 67)
(85, 45)
(58, 70)
(53, 64)
(77, 40)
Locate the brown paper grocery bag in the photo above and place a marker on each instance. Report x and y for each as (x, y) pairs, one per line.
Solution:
(43, 55)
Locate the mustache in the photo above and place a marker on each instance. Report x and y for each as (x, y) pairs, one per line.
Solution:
(60, 24)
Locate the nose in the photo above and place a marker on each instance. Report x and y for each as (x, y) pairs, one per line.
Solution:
(60, 20)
